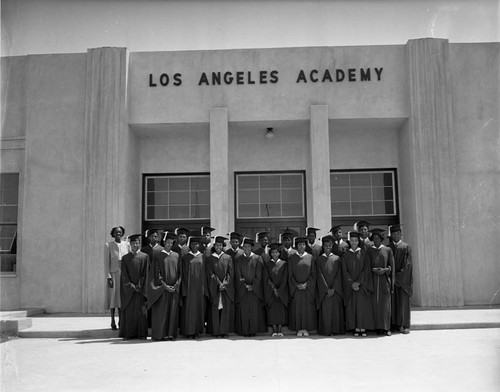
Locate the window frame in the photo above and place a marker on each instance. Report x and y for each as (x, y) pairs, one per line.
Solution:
(15, 224)
(302, 173)
(145, 205)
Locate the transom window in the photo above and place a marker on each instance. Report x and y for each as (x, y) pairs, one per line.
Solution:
(185, 197)
(9, 193)
(363, 193)
(278, 195)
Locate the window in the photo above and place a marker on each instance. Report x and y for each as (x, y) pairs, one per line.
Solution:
(183, 197)
(9, 193)
(363, 193)
(277, 195)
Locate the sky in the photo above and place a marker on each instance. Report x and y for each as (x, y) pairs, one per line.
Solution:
(69, 26)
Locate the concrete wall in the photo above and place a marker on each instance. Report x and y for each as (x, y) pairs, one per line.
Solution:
(53, 198)
(476, 84)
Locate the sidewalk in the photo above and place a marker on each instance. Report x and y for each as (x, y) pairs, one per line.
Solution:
(77, 325)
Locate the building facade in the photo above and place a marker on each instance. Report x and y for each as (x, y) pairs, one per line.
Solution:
(250, 140)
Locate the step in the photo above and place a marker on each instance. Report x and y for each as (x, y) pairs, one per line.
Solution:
(12, 327)
(20, 313)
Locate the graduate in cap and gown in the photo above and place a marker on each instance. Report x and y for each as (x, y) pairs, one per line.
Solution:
(262, 250)
(206, 240)
(113, 254)
(193, 291)
(358, 287)
(286, 238)
(302, 287)
(339, 245)
(133, 323)
(180, 245)
(250, 311)
(403, 280)
(363, 228)
(234, 249)
(220, 274)
(163, 291)
(276, 289)
(330, 291)
(152, 247)
(313, 246)
(382, 267)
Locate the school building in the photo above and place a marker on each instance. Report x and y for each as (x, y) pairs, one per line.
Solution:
(249, 140)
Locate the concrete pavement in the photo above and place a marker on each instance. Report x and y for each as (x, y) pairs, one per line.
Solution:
(425, 360)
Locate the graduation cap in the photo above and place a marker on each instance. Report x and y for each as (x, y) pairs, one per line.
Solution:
(299, 240)
(311, 230)
(206, 229)
(181, 230)
(232, 235)
(336, 228)
(275, 246)
(247, 240)
(392, 229)
(378, 232)
(287, 234)
(134, 237)
(169, 235)
(351, 234)
(360, 224)
(192, 239)
(148, 232)
(260, 235)
(220, 239)
(327, 238)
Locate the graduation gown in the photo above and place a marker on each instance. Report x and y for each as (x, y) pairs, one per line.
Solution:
(181, 250)
(276, 278)
(250, 311)
(403, 284)
(330, 308)
(133, 322)
(193, 289)
(164, 305)
(113, 254)
(356, 268)
(302, 307)
(382, 286)
(314, 249)
(221, 302)
(340, 247)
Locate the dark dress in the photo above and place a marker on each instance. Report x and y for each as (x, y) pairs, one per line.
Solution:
(403, 284)
(382, 286)
(133, 321)
(302, 307)
(250, 311)
(356, 268)
(276, 277)
(193, 290)
(164, 305)
(340, 247)
(221, 313)
(330, 308)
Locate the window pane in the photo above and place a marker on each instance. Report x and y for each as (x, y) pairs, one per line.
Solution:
(291, 181)
(338, 180)
(248, 210)
(292, 209)
(341, 194)
(7, 262)
(248, 182)
(361, 208)
(388, 179)
(360, 179)
(9, 181)
(201, 183)
(270, 196)
(341, 208)
(248, 196)
(292, 195)
(270, 209)
(379, 208)
(160, 184)
(160, 212)
(270, 182)
(389, 207)
(177, 198)
(200, 197)
(8, 214)
(9, 197)
(389, 193)
(199, 211)
(361, 194)
(378, 193)
(377, 179)
(178, 212)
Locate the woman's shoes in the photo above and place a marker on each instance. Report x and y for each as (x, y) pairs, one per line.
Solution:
(113, 326)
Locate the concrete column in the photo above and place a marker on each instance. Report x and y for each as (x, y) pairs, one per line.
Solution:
(104, 174)
(319, 209)
(219, 171)
(432, 175)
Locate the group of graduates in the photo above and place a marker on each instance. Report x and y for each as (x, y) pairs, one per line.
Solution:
(193, 284)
